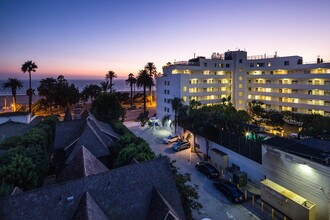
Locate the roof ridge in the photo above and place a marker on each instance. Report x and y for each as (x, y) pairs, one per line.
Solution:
(96, 134)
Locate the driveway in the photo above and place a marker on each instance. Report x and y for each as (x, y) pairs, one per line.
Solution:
(215, 205)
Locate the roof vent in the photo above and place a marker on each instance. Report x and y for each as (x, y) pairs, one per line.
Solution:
(70, 198)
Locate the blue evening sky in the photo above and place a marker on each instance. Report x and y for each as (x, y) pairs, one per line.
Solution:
(86, 39)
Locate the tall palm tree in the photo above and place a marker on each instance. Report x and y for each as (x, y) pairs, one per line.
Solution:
(176, 105)
(131, 81)
(144, 80)
(151, 68)
(109, 76)
(13, 84)
(29, 67)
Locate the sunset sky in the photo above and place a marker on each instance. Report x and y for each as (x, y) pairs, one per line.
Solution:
(86, 39)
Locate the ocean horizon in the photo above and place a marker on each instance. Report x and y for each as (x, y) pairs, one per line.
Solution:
(120, 85)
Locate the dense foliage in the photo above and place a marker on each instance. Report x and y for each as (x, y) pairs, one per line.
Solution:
(57, 92)
(106, 107)
(26, 162)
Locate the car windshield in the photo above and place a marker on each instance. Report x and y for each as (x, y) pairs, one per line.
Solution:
(210, 167)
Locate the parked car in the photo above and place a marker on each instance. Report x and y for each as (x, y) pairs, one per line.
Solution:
(180, 145)
(207, 169)
(230, 190)
(171, 138)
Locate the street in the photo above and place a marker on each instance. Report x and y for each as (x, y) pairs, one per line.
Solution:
(215, 204)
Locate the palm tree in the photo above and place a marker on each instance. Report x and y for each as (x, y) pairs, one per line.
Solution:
(105, 86)
(144, 80)
(29, 67)
(131, 81)
(109, 76)
(151, 68)
(176, 105)
(13, 84)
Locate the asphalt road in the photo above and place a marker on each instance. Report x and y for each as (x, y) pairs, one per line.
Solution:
(215, 204)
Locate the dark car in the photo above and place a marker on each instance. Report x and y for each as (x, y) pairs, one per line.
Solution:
(180, 145)
(171, 138)
(207, 169)
(230, 190)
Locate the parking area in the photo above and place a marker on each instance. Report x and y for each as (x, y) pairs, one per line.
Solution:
(215, 204)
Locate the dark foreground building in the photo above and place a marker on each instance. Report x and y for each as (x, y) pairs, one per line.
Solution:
(139, 191)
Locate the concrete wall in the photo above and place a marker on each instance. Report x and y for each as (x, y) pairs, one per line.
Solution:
(304, 177)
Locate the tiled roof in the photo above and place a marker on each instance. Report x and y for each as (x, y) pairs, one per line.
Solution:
(122, 193)
(84, 164)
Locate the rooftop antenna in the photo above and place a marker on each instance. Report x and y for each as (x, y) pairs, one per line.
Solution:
(194, 55)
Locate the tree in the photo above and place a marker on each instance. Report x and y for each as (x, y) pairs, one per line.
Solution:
(29, 67)
(188, 193)
(65, 94)
(20, 172)
(47, 91)
(109, 76)
(131, 81)
(13, 84)
(144, 80)
(151, 68)
(105, 86)
(91, 92)
(106, 107)
(176, 104)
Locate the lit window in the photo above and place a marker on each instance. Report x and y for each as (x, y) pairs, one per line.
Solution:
(269, 64)
(240, 86)
(249, 96)
(240, 108)
(185, 88)
(268, 90)
(240, 78)
(240, 94)
(240, 69)
(240, 101)
(184, 98)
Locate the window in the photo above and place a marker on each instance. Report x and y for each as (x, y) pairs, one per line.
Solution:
(269, 64)
(240, 101)
(249, 88)
(249, 81)
(260, 64)
(240, 86)
(286, 63)
(240, 94)
(268, 81)
(227, 65)
(220, 65)
(240, 60)
(185, 88)
(164, 100)
(165, 83)
(251, 64)
(240, 78)
(205, 64)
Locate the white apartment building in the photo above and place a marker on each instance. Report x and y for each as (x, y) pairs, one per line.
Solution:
(281, 83)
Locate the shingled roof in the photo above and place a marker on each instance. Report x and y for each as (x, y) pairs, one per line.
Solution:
(122, 193)
(84, 164)
(88, 209)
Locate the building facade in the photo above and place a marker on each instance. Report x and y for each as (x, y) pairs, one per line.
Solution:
(281, 83)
